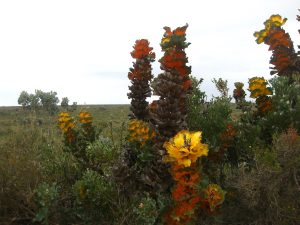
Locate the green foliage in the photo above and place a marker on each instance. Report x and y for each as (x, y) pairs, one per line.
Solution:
(268, 194)
(197, 97)
(102, 153)
(286, 103)
(209, 117)
(215, 118)
(247, 136)
(222, 87)
(35, 102)
(65, 103)
(24, 99)
(46, 198)
(93, 194)
(20, 171)
(78, 136)
(73, 107)
(59, 166)
(148, 210)
(284, 113)
(47, 100)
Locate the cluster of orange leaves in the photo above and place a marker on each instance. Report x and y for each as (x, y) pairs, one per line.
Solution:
(184, 194)
(187, 197)
(143, 54)
(264, 104)
(174, 59)
(281, 45)
(142, 49)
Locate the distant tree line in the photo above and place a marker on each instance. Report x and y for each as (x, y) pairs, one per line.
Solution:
(47, 101)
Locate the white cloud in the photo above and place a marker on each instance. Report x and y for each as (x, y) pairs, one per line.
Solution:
(81, 49)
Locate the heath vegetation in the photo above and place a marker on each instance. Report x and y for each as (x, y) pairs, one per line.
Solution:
(181, 159)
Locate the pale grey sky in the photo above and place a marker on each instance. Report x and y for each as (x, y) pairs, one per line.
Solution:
(81, 49)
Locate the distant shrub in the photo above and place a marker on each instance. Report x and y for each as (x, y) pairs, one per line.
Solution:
(45, 100)
(65, 103)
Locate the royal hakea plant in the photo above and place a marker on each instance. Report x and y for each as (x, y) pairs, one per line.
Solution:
(183, 151)
(164, 152)
(284, 58)
(78, 135)
(239, 94)
(169, 112)
(140, 76)
(260, 92)
(135, 170)
(128, 172)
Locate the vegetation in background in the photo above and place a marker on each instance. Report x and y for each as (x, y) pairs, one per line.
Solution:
(46, 100)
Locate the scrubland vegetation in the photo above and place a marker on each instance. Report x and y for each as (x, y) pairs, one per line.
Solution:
(178, 160)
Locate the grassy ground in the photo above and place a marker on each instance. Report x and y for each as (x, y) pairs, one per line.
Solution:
(31, 152)
(14, 118)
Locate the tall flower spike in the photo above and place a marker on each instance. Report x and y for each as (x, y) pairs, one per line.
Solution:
(184, 149)
(67, 125)
(140, 76)
(284, 58)
(65, 122)
(172, 86)
(260, 91)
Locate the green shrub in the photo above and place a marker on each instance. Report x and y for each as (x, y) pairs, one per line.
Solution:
(93, 195)
(46, 199)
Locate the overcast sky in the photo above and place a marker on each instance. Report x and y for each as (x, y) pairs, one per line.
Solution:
(81, 49)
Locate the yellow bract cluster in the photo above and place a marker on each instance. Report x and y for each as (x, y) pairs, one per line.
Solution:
(139, 131)
(65, 122)
(258, 87)
(273, 21)
(186, 147)
(85, 117)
